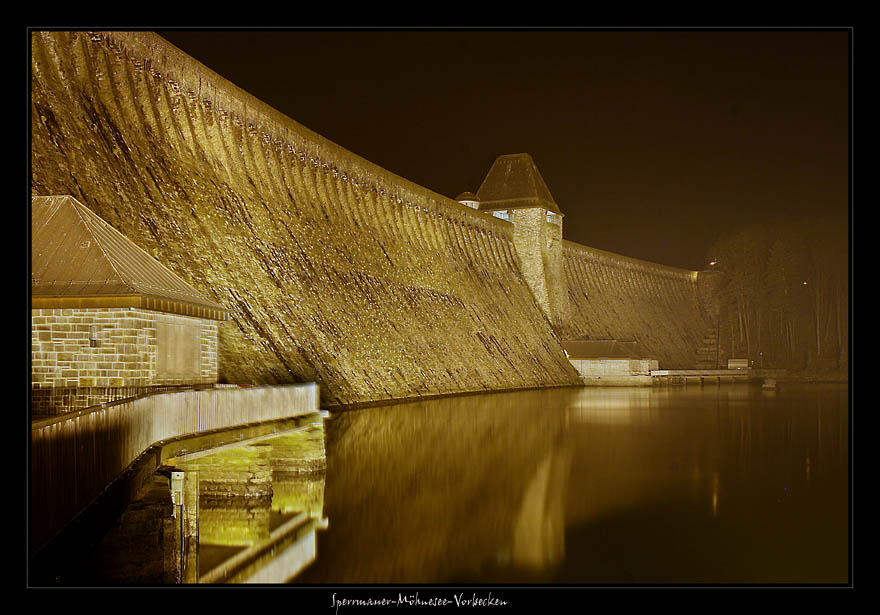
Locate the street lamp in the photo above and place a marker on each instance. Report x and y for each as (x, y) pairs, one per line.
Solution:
(712, 263)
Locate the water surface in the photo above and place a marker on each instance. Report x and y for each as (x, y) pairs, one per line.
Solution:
(726, 484)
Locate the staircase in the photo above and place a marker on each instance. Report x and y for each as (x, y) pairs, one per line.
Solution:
(709, 354)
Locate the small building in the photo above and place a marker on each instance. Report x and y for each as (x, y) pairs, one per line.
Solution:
(108, 321)
(470, 199)
(610, 362)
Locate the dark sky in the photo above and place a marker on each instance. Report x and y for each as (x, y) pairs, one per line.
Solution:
(652, 142)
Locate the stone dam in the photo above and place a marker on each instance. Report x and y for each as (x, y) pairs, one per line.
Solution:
(333, 269)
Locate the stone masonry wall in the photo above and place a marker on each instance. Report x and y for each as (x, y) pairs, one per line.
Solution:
(333, 269)
(616, 297)
(69, 373)
(539, 249)
(614, 367)
(553, 256)
(528, 241)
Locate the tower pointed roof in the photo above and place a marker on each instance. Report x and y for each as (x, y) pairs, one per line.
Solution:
(79, 260)
(515, 182)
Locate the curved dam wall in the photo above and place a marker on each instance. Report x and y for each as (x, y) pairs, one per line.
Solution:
(668, 310)
(333, 269)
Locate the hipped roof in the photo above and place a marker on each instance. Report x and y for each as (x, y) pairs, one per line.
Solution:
(514, 182)
(79, 260)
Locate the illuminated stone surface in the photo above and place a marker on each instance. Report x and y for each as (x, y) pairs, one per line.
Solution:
(333, 269)
(67, 373)
(615, 297)
(591, 294)
(514, 189)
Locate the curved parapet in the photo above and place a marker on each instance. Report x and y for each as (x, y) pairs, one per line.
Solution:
(333, 269)
(622, 298)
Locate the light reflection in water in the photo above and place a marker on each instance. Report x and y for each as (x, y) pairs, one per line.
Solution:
(716, 484)
(539, 526)
(583, 485)
(573, 485)
(263, 496)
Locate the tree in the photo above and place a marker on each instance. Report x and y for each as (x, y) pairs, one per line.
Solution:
(783, 290)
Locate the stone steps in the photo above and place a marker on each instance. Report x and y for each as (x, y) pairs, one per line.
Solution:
(709, 354)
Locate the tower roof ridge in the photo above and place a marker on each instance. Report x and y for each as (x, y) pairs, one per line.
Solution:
(515, 182)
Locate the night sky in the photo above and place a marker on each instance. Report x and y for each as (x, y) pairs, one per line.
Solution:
(652, 142)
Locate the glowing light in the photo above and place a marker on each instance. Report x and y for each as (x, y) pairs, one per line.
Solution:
(716, 487)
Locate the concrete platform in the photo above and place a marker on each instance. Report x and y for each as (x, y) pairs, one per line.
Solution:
(685, 377)
(617, 381)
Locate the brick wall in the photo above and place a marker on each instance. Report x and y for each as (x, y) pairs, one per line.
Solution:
(84, 356)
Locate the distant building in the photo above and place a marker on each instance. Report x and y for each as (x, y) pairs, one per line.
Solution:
(611, 362)
(108, 321)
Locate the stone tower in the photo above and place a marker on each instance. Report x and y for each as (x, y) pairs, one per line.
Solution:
(514, 190)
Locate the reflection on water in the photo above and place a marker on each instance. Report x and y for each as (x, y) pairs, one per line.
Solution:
(716, 484)
(697, 485)
(539, 526)
(259, 507)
